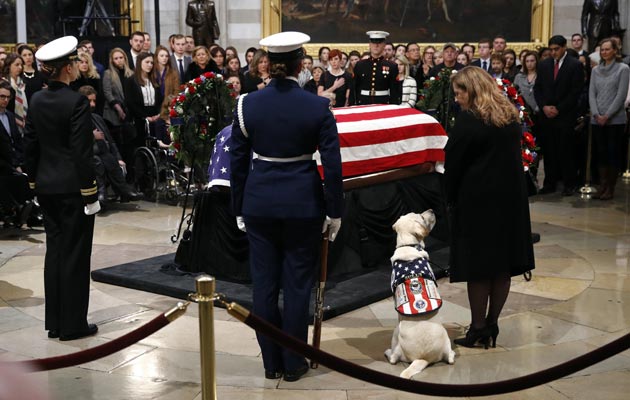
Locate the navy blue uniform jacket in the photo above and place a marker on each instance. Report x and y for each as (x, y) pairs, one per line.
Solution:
(58, 143)
(284, 121)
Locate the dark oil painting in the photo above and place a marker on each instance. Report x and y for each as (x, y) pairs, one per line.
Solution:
(346, 21)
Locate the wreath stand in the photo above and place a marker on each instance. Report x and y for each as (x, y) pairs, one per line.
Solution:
(187, 218)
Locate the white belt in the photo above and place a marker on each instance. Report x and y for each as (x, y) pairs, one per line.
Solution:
(303, 157)
(375, 92)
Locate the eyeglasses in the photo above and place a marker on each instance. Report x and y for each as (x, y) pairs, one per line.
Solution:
(4, 97)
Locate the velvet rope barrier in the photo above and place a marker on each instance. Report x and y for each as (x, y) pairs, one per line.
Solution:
(106, 349)
(427, 388)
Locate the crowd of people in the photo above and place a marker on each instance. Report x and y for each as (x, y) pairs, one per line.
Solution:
(134, 87)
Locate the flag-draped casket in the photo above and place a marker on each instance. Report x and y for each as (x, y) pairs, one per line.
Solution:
(372, 139)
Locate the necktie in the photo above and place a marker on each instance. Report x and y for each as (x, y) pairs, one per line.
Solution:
(556, 67)
(181, 70)
(484, 65)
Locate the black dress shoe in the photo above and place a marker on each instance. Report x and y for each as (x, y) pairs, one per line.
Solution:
(547, 190)
(91, 330)
(273, 374)
(292, 376)
(131, 196)
(53, 333)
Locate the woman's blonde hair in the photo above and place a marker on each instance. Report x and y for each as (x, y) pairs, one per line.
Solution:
(92, 73)
(404, 62)
(485, 99)
(198, 49)
(128, 71)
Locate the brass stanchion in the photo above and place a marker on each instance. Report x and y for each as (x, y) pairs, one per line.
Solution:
(205, 297)
(587, 190)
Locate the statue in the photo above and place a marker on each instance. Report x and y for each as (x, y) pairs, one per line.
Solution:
(202, 17)
(600, 19)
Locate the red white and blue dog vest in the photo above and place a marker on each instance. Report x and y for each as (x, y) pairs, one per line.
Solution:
(414, 286)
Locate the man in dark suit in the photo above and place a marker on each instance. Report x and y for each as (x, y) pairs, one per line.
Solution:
(179, 60)
(58, 147)
(279, 198)
(136, 42)
(485, 50)
(15, 193)
(557, 89)
(577, 44)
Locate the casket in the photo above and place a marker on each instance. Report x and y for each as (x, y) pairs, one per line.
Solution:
(372, 139)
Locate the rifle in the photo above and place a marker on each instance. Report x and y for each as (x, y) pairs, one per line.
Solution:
(318, 313)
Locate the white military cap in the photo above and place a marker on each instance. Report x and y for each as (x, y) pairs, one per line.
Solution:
(285, 45)
(377, 36)
(64, 48)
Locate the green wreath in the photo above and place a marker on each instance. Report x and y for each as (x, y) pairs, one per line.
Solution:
(436, 98)
(201, 110)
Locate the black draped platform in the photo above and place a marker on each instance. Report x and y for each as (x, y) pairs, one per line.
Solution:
(358, 265)
(365, 242)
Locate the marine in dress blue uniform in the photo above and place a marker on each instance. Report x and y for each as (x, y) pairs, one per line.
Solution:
(278, 196)
(59, 161)
(375, 78)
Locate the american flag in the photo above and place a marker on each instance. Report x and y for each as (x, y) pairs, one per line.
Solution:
(378, 138)
(372, 138)
(219, 168)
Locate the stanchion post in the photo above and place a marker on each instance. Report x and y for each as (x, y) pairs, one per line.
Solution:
(205, 298)
(587, 190)
(626, 174)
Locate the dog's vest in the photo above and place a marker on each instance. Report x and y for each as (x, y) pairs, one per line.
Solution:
(414, 286)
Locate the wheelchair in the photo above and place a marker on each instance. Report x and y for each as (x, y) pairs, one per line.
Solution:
(158, 175)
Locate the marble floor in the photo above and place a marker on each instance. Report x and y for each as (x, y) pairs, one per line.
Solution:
(578, 299)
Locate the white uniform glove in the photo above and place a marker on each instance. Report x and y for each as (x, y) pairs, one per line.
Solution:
(333, 225)
(92, 208)
(240, 223)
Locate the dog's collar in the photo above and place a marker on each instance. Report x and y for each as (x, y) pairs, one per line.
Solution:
(416, 245)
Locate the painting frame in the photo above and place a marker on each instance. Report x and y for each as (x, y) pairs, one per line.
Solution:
(541, 29)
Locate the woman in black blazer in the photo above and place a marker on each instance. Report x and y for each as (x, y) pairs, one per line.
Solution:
(487, 200)
(143, 98)
(201, 64)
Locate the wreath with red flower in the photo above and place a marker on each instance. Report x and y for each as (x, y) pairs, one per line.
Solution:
(528, 142)
(203, 107)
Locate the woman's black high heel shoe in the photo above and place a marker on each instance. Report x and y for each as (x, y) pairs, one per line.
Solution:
(494, 332)
(474, 336)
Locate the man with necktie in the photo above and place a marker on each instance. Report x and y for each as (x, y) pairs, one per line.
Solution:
(179, 60)
(483, 62)
(557, 89)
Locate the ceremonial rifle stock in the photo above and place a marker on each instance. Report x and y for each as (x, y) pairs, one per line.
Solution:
(318, 313)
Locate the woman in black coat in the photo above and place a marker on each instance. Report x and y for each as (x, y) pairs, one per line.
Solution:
(143, 98)
(487, 200)
(201, 64)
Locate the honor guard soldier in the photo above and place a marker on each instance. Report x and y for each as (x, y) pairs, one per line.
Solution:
(58, 145)
(278, 196)
(375, 77)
